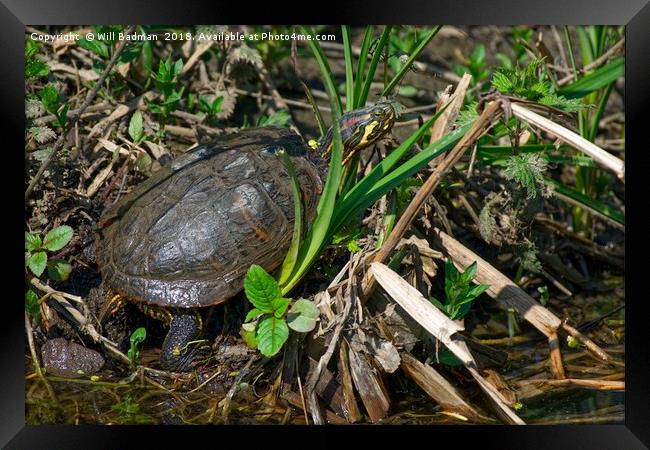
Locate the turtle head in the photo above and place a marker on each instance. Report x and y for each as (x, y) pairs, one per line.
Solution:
(361, 128)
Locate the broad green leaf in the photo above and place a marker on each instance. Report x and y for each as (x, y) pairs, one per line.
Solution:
(261, 288)
(598, 79)
(37, 262)
(272, 333)
(302, 316)
(253, 314)
(32, 242)
(57, 238)
(58, 270)
(280, 306)
(136, 129)
(94, 46)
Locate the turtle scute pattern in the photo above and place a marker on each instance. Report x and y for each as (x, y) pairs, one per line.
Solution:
(187, 237)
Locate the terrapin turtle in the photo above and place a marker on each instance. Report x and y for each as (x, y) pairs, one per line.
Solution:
(186, 237)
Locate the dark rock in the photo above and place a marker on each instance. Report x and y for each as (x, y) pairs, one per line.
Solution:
(68, 359)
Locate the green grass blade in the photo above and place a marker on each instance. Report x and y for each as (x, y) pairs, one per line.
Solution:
(321, 59)
(590, 203)
(599, 112)
(316, 237)
(407, 66)
(598, 79)
(376, 56)
(361, 67)
(349, 76)
(292, 255)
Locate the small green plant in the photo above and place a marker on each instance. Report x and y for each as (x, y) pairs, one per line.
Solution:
(266, 326)
(32, 306)
(279, 118)
(52, 103)
(136, 131)
(531, 82)
(34, 67)
(137, 338)
(136, 128)
(166, 80)
(476, 66)
(211, 109)
(527, 170)
(460, 292)
(128, 412)
(350, 238)
(36, 258)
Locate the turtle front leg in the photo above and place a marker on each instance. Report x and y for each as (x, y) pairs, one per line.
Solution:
(183, 346)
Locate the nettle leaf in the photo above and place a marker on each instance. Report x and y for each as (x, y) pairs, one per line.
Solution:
(58, 270)
(32, 242)
(97, 47)
(261, 288)
(37, 262)
(272, 333)
(136, 127)
(303, 315)
(280, 306)
(58, 237)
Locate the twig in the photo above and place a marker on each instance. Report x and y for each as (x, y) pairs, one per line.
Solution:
(37, 364)
(73, 118)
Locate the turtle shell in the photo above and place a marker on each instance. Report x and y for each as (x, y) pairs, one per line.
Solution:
(187, 236)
